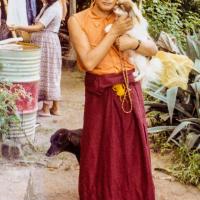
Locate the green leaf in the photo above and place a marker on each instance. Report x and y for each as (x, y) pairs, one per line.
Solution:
(2, 121)
(196, 87)
(171, 101)
(157, 96)
(194, 120)
(191, 140)
(155, 104)
(179, 128)
(193, 50)
(164, 99)
(158, 129)
(152, 86)
(197, 65)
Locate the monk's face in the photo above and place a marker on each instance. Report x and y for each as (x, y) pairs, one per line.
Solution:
(105, 5)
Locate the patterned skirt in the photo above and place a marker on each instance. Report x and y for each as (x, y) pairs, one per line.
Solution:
(51, 62)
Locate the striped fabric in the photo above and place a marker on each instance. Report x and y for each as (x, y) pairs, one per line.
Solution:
(50, 65)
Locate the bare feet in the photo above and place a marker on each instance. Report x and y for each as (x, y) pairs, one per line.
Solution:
(41, 113)
(44, 112)
(55, 109)
(54, 112)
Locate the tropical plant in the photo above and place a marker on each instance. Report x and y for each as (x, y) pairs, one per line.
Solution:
(177, 17)
(186, 166)
(183, 106)
(81, 4)
(192, 5)
(163, 16)
(9, 94)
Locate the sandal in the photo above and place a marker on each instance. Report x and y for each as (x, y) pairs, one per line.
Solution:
(43, 114)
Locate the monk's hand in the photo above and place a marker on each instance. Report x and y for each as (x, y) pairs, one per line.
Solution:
(123, 42)
(122, 25)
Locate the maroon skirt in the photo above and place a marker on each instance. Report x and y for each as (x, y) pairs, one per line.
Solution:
(115, 157)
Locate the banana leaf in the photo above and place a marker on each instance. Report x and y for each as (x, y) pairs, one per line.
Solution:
(197, 65)
(164, 99)
(193, 47)
(171, 101)
(196, 87)
(155, 104)
(194, 120)
(158, 129)
(191, 140)
(179, 128)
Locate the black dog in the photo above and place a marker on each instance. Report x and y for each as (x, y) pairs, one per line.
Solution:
(65, 140)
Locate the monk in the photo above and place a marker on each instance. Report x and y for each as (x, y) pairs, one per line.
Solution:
(115, 156)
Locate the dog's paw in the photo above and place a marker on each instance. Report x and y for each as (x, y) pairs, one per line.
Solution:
(139, 77)
(136, 73)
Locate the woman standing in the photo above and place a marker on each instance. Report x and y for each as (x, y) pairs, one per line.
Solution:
(45, 34)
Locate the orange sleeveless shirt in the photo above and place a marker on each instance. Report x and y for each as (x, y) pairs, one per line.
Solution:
(94, 25)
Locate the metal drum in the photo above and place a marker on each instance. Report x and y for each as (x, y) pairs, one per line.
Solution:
(23, 67)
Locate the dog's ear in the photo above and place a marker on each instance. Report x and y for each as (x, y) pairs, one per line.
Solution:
(62, 131)
(127, 6)
(75, 139)
(58, 134)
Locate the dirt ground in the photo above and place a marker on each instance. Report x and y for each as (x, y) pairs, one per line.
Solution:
(57, 177)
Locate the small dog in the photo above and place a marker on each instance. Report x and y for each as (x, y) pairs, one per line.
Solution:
(147, 69)
(65, 140)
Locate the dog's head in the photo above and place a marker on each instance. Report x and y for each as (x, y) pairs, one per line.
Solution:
(127, 8)
(123, 8)
(63, 140)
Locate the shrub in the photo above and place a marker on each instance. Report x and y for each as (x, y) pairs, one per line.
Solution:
(9, 94)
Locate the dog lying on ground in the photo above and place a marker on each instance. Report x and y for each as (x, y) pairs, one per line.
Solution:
(65, 140)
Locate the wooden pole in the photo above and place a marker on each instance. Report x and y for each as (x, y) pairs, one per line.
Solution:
(72, 7)
(5, 2)
(71, 54)
(0, 13)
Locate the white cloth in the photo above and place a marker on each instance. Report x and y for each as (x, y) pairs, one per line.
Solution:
(17, 13)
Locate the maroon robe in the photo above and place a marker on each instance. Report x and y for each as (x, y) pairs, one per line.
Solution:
(115, 158)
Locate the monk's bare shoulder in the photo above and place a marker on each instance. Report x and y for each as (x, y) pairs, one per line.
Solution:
(78, 17)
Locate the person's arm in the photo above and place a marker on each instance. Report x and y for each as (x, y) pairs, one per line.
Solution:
(32, 28)
(147, 48)
(91, 57)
